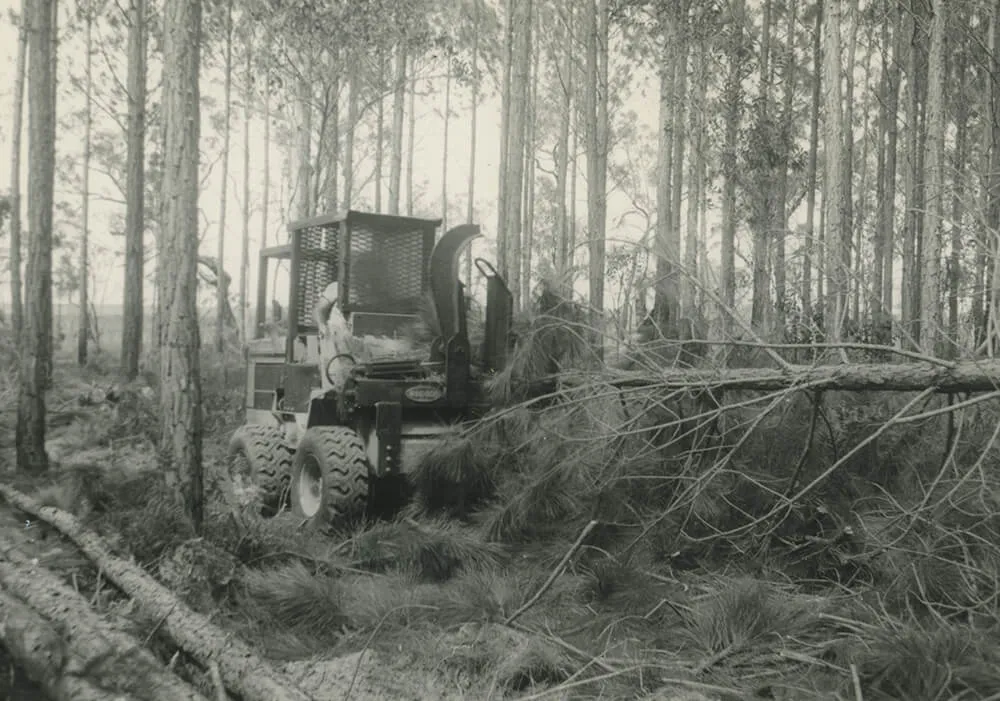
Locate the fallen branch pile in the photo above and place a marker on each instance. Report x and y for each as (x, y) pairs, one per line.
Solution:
(241, 670)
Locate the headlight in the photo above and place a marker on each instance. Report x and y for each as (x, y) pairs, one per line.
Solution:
(338, 366)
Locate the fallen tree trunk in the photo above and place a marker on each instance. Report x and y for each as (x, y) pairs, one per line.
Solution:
(33, 641)
(243, 671)
(103, 648)
(963, 376)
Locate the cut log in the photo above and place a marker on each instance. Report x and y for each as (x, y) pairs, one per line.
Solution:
(101, 646)
(33, 641)
(242, 670)
(964, 376)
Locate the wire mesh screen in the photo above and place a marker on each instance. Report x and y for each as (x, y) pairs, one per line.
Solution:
(387, 268)
(317, 268)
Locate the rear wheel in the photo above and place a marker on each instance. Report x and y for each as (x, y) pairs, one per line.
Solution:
(259, 455)
(330, 476)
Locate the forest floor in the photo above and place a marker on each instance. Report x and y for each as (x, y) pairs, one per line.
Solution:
(879, 583)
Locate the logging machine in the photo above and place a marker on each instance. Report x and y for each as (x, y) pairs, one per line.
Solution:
(328, 442)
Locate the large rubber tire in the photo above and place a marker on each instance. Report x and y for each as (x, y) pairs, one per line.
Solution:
(261, 455)
(330, 477)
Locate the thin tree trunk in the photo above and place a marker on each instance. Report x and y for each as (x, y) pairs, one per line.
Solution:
(529, 171)
(763, 218)
(564, 72)
(470, 214)
(352, 126)
(35, 341)
(83, 329)
(444, 150)
(990, 186)
(696, 166)
(396, 144)
(411, 131)
(668, 245)
(887, 198)
(958, 199)
(860, 303)
(812, 168)
(733, 99)
(17, 307)
(679, 98)
(332, 197)
(221, 290)
(597, 156)
(180, 380)
(266, 195)
(833, 182)
(134, 193)
(503, 235)
(780, 232)
(303, 203)
(245, 244)
(930, 296)
(379, 131)
(574, 178)
(847, 253)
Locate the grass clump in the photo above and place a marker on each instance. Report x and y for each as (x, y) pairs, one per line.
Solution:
(941, 662)
(431, 550)
(304, 608)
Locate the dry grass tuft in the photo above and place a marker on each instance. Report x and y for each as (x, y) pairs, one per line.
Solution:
(296, 602)
(432, 550)
(933, 663)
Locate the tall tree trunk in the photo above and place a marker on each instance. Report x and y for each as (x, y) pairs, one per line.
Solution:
(470, 214)
(266, 195)
(331, 134)
(134, 192)
(379, 130)
(733, 101)
(886, 195)
(930, 318)
(221, 289)
(396, 143)
(352, 127)
(411, 131)
(668, 245)
(521, 57)
(990, 185)
(811, 169)
(859, 299)
(303, 192)
(780, 232)
(35, 354)
(763, 217)
(564, 71)
(833, 182)
(245, 244)
(503, 235)
(910, 280)
(444, 150)
(83, 328)
(530, 147)
(848, 255)
(696, 166)
(958, 196)
(679, 98)
(17, 307)
(597, 154)
(573, 180)
(180, 380)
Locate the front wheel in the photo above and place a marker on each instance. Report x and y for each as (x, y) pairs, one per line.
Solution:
(330, 476)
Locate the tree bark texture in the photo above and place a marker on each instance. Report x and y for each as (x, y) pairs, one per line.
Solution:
(135, 169)
(396, 144)
(243, 671)
(36, 351)
(811, 169)
(16, 297)
(83, 326)
(833, 182)
(222, 291)
(180, 381)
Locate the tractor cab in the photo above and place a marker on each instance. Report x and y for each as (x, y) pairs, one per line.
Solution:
(415, 374)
